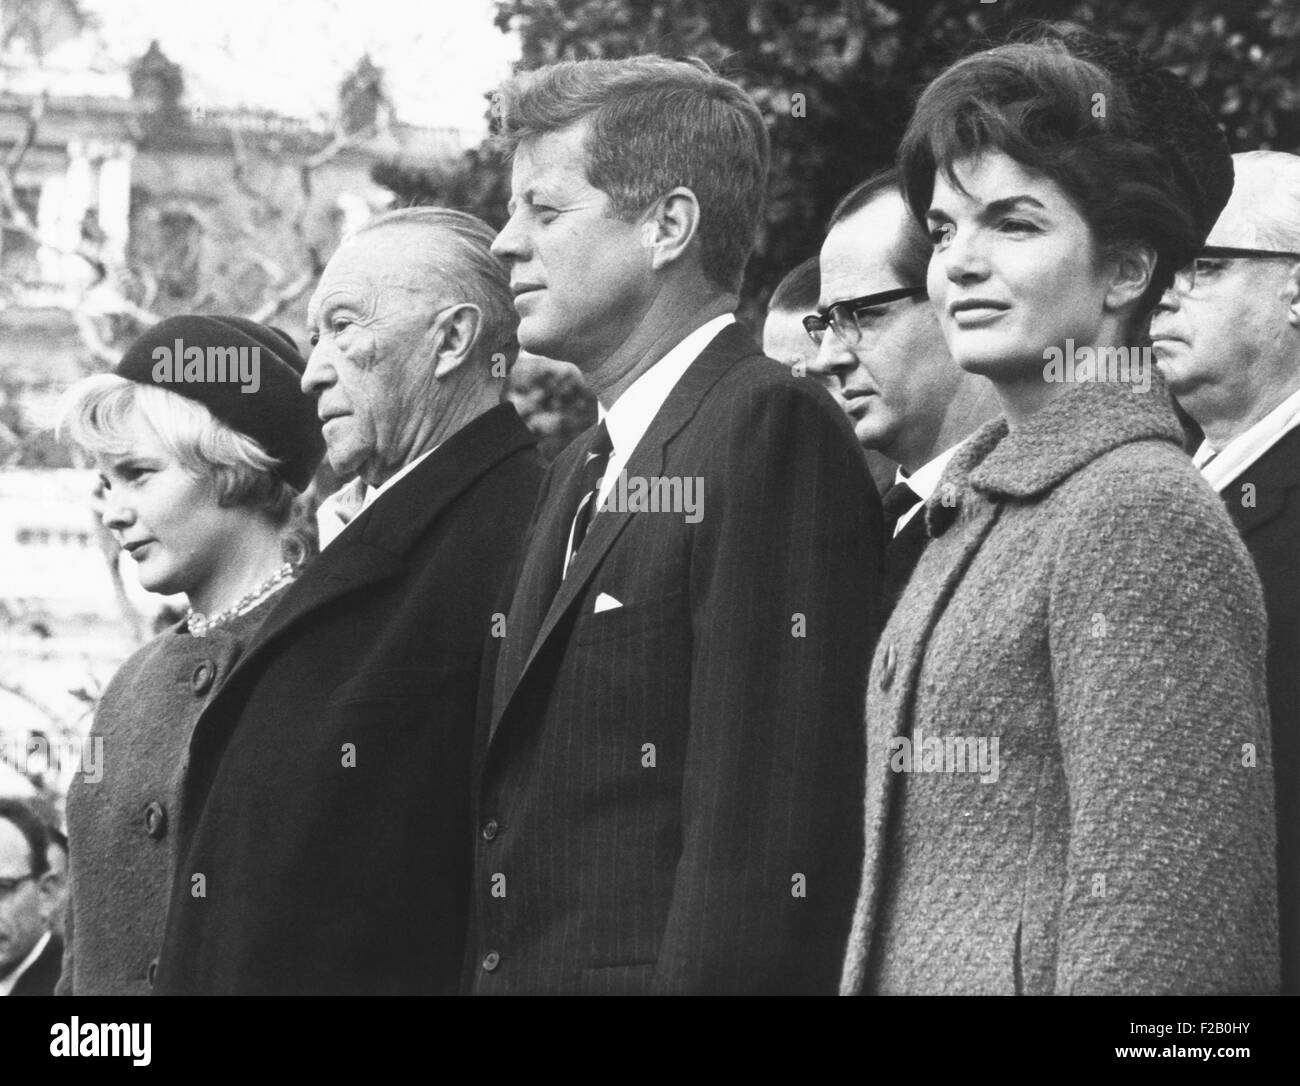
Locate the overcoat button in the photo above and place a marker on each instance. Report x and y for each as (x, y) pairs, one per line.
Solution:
(152, 975)
(887, 668)
(201, 680)
(155, 820)
(491, 960)
(490, 829)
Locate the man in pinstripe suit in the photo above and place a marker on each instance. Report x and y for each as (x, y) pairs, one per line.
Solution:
(668, 784)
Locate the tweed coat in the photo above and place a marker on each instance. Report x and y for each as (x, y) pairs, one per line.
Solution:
(122, 827)
(1086, 603)
(667, 790)
(1268, 517)
(328, 799)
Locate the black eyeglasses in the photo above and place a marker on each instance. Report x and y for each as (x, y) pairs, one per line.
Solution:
(10, 886)
(1206, 264)
(842, 317)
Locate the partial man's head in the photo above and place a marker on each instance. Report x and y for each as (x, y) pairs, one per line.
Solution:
(412, 334)
(1227, 333)
(879, 341)
(637, 188)
(784, 336)
(27, 886)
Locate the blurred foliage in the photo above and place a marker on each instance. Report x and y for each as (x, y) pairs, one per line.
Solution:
(859, 65)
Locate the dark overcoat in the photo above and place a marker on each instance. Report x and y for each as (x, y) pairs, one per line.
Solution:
(326, 846)
(1264, 502)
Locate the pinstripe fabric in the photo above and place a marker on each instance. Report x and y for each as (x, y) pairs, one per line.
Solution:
(599, 872)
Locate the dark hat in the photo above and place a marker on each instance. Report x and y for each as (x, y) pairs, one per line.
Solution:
(1169, 117)
(247, 374)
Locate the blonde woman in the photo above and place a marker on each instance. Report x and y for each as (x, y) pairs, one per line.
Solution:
(202, 438)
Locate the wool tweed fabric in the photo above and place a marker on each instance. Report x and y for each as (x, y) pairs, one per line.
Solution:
(1085, 600)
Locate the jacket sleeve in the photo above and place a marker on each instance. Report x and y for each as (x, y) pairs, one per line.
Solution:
(784, 572)
(1157, 642)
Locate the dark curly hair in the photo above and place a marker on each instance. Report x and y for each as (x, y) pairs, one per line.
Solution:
(1141, 158)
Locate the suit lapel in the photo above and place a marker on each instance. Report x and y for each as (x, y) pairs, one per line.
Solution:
(370, 549)
(1272, 476)
(546, 554)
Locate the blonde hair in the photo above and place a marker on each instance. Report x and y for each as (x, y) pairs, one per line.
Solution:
(96, 414)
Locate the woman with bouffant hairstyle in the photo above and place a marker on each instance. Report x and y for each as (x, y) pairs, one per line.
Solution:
(202, 438)
(1069, 786)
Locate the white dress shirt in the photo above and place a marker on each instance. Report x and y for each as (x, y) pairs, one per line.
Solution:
(330, 515)
(1243, 450)
(634, 411)
(923, 482)
(7, 983)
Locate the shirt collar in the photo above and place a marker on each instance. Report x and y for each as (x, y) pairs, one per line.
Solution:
(1224, 466)
(8, 983)
(923, 482)
(634, 411)
(373, 492)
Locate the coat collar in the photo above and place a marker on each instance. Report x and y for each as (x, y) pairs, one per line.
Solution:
(373, 548)
(1085, 423)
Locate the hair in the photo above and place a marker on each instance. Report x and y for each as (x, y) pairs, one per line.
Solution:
(656, 124)
(1034, 101)
(910, 255)
(1268, 192)
(798, 291)
(96, 414)
(31, 826)
(459, 254)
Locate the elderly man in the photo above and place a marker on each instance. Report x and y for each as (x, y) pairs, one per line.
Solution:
(330, 852)
(1227, 336)
(30, 953)
(667, 800)
(880, 346)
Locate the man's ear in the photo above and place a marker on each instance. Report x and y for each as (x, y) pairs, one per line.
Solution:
(456, 336)
(1291, 294)
(1133, 266)
(671, 226)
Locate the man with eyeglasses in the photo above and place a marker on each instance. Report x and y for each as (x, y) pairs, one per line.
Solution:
(881, 353)
(1227, 337)
(30, 953)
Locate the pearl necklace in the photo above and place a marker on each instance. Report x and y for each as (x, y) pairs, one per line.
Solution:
(199, 624)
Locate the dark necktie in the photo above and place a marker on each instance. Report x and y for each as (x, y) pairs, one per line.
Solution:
(593, 471)
(898, 499)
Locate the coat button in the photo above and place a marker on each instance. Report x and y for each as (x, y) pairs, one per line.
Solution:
(490, 829)
(887, 668)
(201, 680)
(491, 960)
(151, 974)
(155, 820)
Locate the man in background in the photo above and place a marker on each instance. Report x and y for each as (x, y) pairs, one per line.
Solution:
(885, 360)
(30, 953)
(1227, 338)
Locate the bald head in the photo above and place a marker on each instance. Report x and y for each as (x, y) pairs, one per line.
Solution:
(1264, 210)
